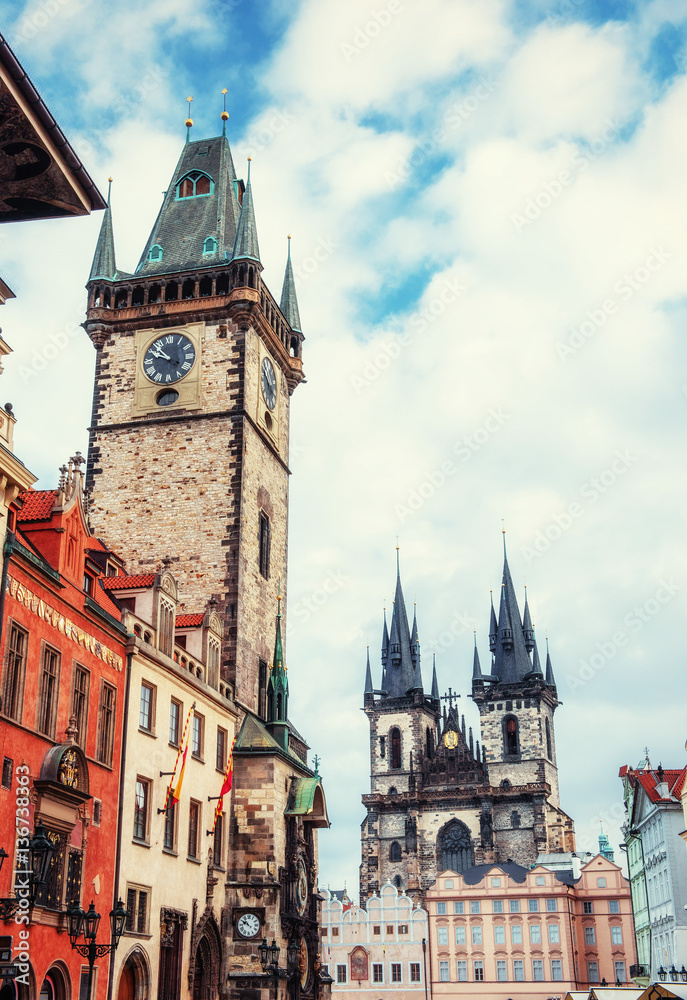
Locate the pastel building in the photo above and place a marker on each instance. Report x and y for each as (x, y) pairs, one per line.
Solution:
(379, 950)
(505, 931)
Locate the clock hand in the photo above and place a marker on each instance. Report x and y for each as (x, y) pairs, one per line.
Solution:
(159, 353)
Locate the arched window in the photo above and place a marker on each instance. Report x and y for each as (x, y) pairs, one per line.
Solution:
(188, 289)
(194, 185)
(392, 790)
(505, 784)
(454, 847)
(395, 739)
(511, 743)
(155, 253)
(210, 245)
(547, 727)
(515, 820)
(429, 737)
(205, 286)
(397, 881)
(171, 291)
(395, 851)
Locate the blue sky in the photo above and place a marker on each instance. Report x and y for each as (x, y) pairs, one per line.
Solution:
(499, 191)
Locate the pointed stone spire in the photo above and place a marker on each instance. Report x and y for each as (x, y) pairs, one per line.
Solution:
(527, 630)
(550, 679)
(246, 242)
(104, 265)
(493, 627)
(385, 651)
(536, 665)
(462, 724)
(289, 301)
(476, 668)
(368, 675)
(471, 742)
(402, 668)
(511, 657)
(435, 684)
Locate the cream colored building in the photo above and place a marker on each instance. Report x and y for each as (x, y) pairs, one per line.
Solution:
(169, 867)
(377, 951)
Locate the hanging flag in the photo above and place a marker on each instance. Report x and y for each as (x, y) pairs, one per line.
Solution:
(226, 785)
(183, 750)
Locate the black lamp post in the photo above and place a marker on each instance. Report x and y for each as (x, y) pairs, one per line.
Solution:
(40, 852)
(683, 974)
(662, 974)
(673, 974)
(87, 924)
(269, 959)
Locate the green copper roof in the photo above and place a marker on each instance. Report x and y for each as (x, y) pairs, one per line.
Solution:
(304, 800)
(289, 302)
(104, 265)
(254, 736)
(246, 242)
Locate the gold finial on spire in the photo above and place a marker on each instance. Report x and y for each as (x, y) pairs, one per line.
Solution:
(225, 114)
(189, 120)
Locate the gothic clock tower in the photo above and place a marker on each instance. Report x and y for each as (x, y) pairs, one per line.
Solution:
(189, 439)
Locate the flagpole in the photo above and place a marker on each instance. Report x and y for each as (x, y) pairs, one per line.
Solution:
(228, 776)
(176, 762)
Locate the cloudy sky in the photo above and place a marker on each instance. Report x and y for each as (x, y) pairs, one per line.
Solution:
(488, 207)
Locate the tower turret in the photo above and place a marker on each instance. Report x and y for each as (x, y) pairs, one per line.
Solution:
(278, 689)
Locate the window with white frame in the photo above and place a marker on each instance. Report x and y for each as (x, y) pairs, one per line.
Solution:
(498, 906)
(460, 934)
(589, 935)
(341, 971)
(537, 970)
(377, 972)
(462, 971)
(501, 971)
(441, 908)
(475, 906)
(551, 905)
(518, 970)
(535, 933)
(396, 974)
(601, 883)
(478, 971)
(616, 934)
(415, 972)
(499, 934)
(556, 970)
(458, 906)
(514, 906)
(516, 933)
(554, 934)
(614, 906)
(620, 972)
(442, 935)
(477, 934)
(444, 976)
(592, 972)
(533, 905)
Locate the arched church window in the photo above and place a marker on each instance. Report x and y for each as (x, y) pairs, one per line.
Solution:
(210, 245)
(155, 253)
(395, 737)
(194, 185)
(547, 728)
(515, 820)
(510, 734)
(454, 847)
(395, 851)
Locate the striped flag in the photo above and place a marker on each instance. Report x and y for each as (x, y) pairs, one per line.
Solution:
(226, 785)
(174, 790)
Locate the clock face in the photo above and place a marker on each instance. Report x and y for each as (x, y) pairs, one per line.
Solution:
(451, 739)
(268, 380)
(169, 358)
(248, 925)
(302, 888)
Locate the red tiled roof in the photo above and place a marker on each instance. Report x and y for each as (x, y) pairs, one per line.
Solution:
(105, 602)
(648, 780)
(37, 505)
(186, 621)
(128, 582)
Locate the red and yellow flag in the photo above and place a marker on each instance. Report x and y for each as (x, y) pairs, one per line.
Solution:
(174, 790)
(226, 785)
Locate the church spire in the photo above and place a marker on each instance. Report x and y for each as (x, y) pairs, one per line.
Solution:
(476, 668)
(104, 265)
(289, 301)
(493, 627)
(511, 657)
(527, 630)
(550, 679)
(435, 684)
(278, 684)
(246, 242)
(369, 689)
(402, 671)
(536, 665)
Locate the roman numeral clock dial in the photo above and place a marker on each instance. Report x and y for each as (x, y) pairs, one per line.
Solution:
(169, 359)
(268, 381)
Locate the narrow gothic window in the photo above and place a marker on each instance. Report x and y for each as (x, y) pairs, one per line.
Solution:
(511, 736)
(548, 739)
(395, 748)
(515, 820)
(395, 851)
(264, 539)
(262, 689)
(430, 742)
(454, 847)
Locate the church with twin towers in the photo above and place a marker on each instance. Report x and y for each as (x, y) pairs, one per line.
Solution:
(440, 796)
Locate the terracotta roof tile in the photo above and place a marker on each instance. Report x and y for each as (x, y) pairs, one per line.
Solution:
(128, 582)
(648, 781)
(186, 621)
(105, 602)
(37, 505)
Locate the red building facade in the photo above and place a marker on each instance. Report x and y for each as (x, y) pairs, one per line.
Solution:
(62, 689)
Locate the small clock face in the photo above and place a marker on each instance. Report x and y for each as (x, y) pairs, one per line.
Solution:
(302, 888)
(169, 359)
(451, 739)
(248, 925)
(268, 380)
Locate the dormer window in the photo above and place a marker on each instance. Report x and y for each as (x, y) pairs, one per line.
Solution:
(194, 185)
(155, 253)
(210, 245)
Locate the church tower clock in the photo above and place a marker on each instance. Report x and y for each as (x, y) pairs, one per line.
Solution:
(189, 440)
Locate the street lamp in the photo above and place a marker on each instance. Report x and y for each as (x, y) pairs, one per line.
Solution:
(662, 974)
(40, 852)
(87, 924)
(673, 974)
(269, 959)
(683, 974)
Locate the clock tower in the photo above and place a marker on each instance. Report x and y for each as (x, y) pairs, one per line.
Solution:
(189, 439)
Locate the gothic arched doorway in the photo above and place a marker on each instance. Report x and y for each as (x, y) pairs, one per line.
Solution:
(454, 847)
(202, 977)
(134, 979)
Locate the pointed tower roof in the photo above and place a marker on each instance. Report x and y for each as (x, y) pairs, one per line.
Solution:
(493, 627)
(246, 242)
(289, 301)
(369, 689)
(536, 664)
(195, 230)
(550, 679)
(104, 265)
(511, 658)
(476, 668)
(527, 630)
(435, 684)
(402, 674)
(278, 683)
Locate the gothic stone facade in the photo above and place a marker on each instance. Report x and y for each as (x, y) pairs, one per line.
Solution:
(438, 800)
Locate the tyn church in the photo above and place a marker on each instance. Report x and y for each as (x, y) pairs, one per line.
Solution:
(442, 797)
